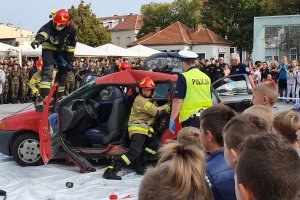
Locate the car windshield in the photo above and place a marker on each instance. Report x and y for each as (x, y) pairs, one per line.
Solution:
(172, 63)
(233, 88)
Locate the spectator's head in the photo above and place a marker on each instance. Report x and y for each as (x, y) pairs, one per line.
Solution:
(294, 63)
(285, 60)
(221, 60)
(263, 112)
(212, 61)
(256, 62)
(237, 130)
(190, 136)
(266, 94)
(287, 125)
(269, 77)
(179, 174)
(212, 122)
(234, 59)
(264, 65)
(267, 168)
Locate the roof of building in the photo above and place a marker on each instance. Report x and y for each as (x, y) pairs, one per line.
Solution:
(126, 22)
(178, 34)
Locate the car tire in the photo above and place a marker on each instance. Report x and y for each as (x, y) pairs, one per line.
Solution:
(26, 150)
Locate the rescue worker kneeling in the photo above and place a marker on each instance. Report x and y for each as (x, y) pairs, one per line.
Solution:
(143, 141)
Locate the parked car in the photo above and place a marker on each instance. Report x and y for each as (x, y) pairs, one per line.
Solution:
(66, 128)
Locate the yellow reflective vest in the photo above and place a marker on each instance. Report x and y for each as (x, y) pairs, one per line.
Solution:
(198, 94)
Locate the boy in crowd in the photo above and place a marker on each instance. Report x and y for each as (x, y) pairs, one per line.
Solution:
(266, 94)
(237, 130)
(190, 136)
(275, 174)
(262, 112)
(218, 172)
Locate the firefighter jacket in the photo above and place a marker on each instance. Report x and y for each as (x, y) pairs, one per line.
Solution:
(35, 81)
(52, 39)
(142, 115)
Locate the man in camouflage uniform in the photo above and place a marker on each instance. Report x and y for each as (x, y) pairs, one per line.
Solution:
(6, 84)
(14, 83)
(143, 141)
(24, 79)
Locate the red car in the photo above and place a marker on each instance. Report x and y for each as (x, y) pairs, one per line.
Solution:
(89, 124)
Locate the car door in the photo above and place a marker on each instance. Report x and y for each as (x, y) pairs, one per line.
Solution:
(44, 129)
(235, 91)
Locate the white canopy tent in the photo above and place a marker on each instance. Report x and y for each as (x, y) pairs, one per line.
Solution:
(7, 48)
(114, 50)
(143, 51)
(81, 50)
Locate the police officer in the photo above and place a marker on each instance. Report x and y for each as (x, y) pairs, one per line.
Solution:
(141, 133)
(239, 68)
(58, 39)
(192, 93)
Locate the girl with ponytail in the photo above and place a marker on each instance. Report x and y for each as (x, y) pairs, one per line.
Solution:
(179, 175)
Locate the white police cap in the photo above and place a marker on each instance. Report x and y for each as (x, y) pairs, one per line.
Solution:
(187, 55)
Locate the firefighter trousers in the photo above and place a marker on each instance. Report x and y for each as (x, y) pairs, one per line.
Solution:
(141, 147)
(49, 56)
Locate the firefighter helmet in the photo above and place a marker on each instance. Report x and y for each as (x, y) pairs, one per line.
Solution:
(147, 83)
(125, 66)
(39, 63)
(61, 19)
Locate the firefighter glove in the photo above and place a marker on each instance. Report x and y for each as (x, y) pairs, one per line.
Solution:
(35, 44)
(172, 127)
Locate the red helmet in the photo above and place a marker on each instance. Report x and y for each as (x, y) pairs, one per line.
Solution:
(125, 66)
(39, 63)
(147, 83)
(61, 18)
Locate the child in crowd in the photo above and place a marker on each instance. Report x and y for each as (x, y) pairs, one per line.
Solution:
(190, 136)
(257, 74)
(237, 130)
(266, 94)
(291, 82)
(267, 168)
(262, 112)
(179, 174)
(287, 124)
(269, 78)
(218, 172)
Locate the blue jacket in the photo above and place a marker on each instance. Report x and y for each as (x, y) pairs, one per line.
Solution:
(221, 176)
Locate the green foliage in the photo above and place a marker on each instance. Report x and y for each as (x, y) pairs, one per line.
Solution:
(88, 27)
(235, 18)
(164, 14)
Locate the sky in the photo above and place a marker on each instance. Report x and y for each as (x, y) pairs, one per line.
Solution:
(32, 14)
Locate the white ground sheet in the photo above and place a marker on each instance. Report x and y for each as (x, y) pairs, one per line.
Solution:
(48, 182)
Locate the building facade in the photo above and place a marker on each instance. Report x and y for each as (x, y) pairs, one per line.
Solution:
(276, 36)
(177, 36)
(123, 29)
(14, 35)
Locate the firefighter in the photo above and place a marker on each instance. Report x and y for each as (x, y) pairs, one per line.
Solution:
(35, 80)
(58, 39)
(143, 141)
(192, 93)
(125, 66)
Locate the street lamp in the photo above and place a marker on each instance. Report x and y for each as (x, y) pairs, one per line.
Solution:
(277, 42)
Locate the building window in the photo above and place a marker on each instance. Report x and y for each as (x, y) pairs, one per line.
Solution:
(201, 56)
(128, 39)
(232, 50)
(118, 41)
(293, 53)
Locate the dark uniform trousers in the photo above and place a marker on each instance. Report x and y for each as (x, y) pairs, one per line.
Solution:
(193, 121)
(142, 147)
(48, 63)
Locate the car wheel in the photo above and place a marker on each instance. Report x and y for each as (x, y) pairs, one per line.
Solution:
(26, 150)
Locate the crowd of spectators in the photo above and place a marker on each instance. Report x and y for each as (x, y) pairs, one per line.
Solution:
(15, 79)
(254, 155)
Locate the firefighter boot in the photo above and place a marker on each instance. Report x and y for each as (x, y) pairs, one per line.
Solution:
(39, 103)
(138, 168)
(111, 172)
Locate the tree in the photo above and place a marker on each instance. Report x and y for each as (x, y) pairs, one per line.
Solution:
(164, 14)
(234, 19)
(88, 26)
